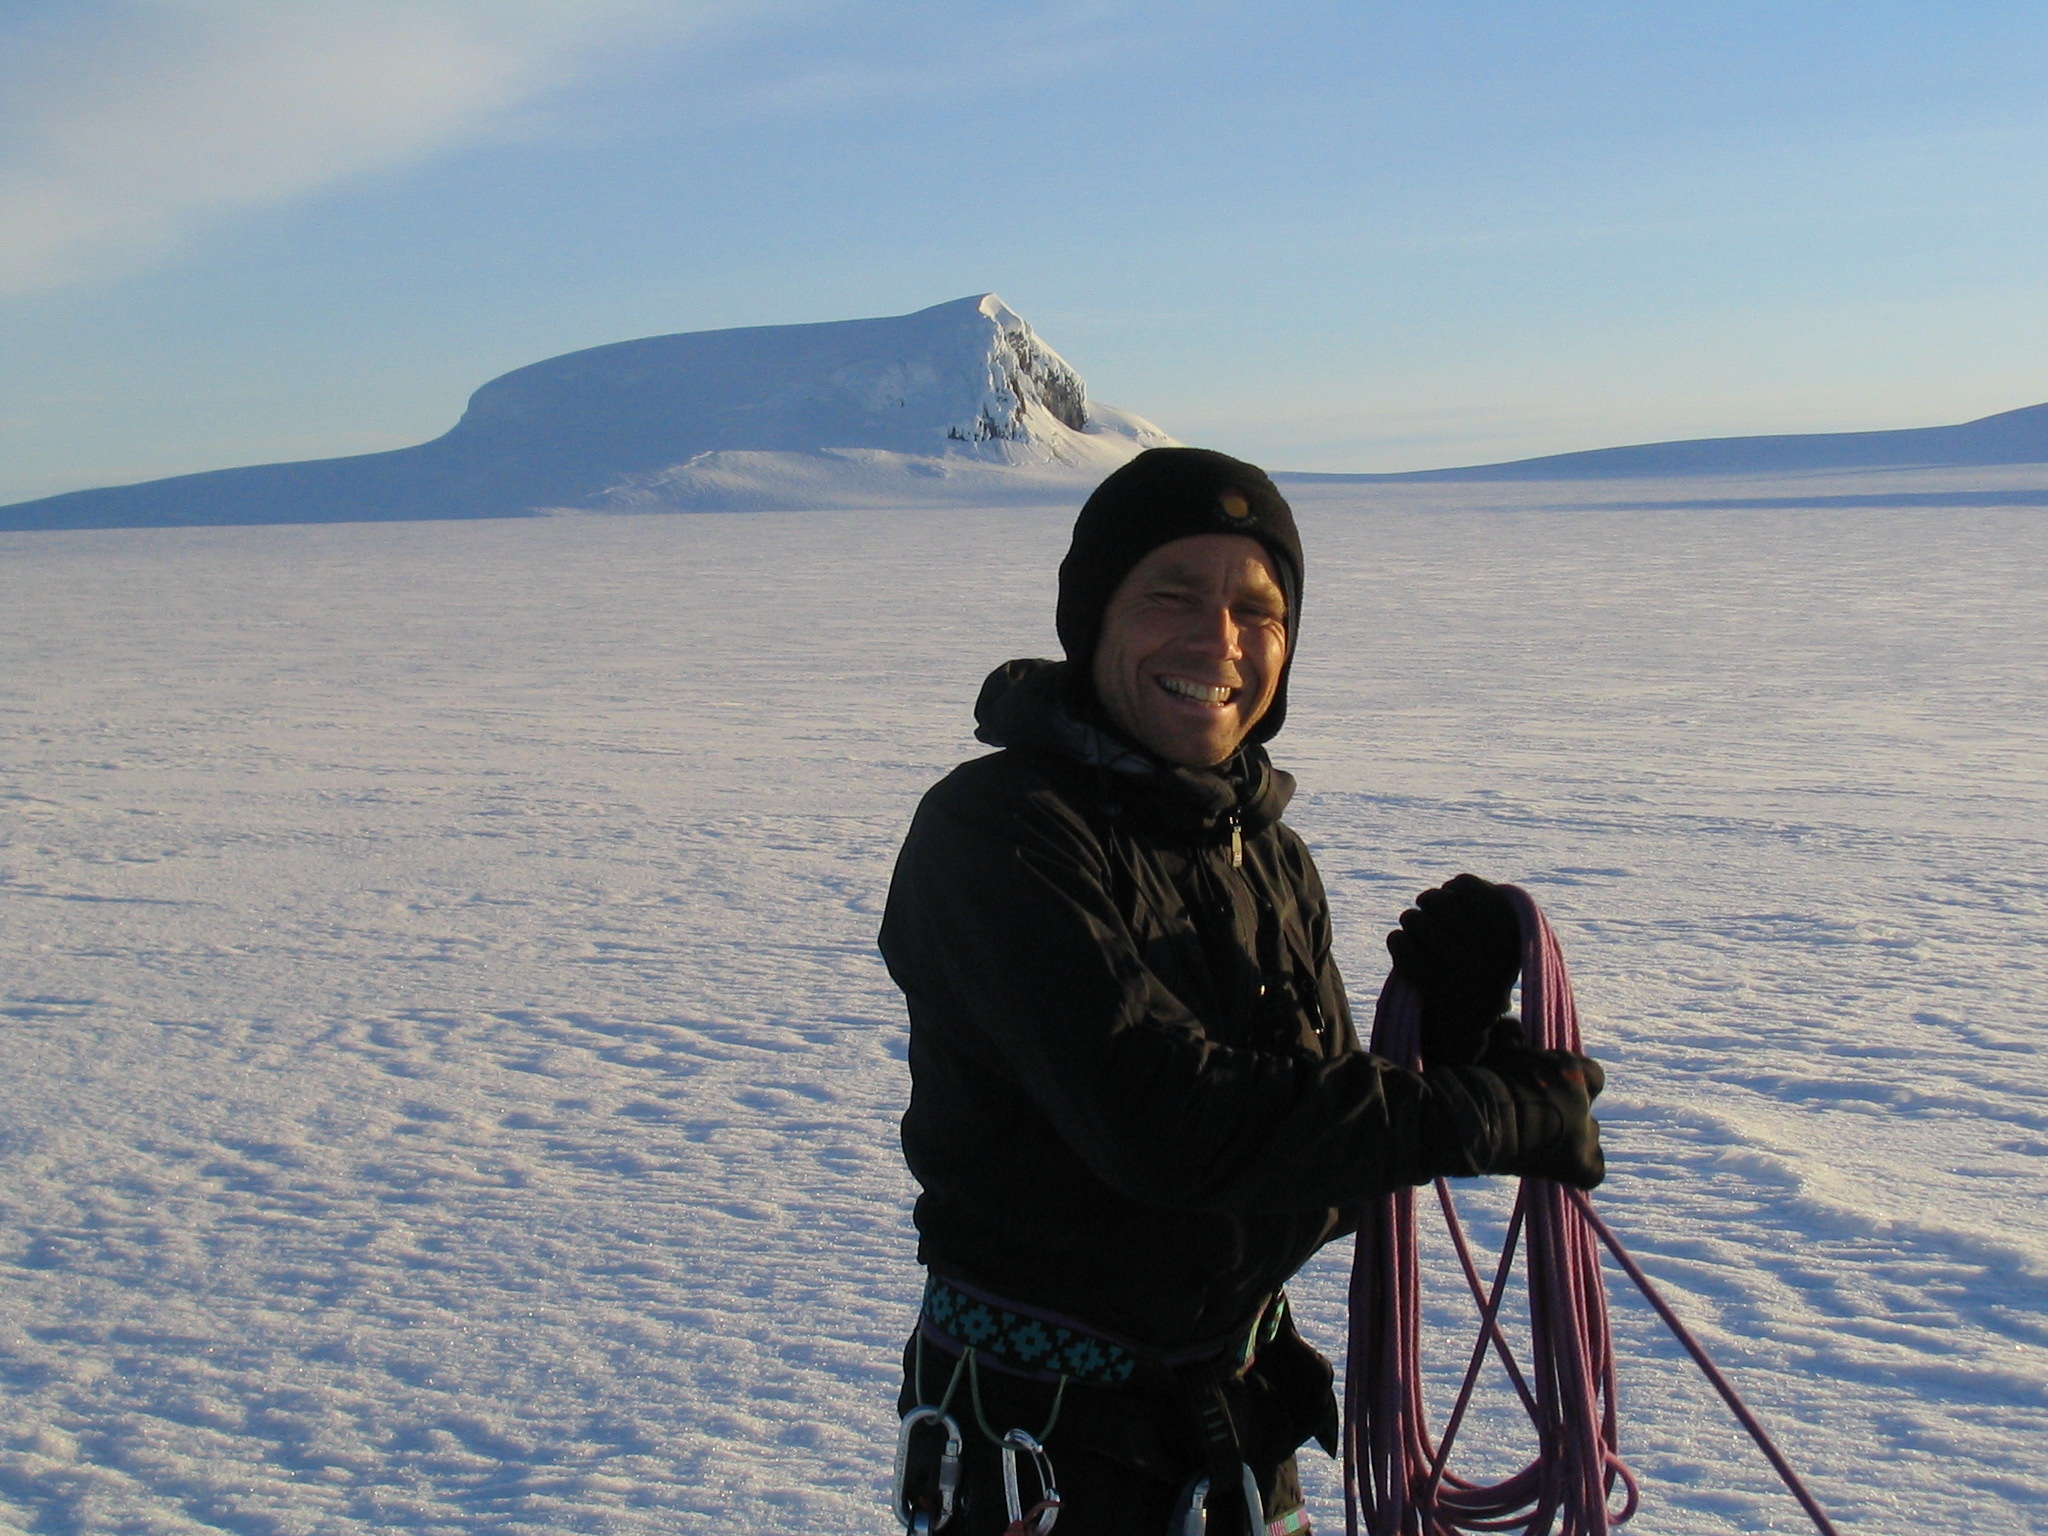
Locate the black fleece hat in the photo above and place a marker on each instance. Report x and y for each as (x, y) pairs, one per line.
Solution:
(1162, 495)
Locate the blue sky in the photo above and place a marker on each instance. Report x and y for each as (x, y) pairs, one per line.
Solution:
(1321, 235)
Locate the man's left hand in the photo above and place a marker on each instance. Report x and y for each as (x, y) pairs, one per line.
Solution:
(1460, 947)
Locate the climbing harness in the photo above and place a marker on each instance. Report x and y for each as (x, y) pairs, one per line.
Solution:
(925, 1513)
(1049, 1346)
(979, 1328)
(1395, 1476)
(1021, 1340)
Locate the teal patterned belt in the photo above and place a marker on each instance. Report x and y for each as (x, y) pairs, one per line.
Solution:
(1046, 1346)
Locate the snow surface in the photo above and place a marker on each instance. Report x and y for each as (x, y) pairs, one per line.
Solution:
(449, 1085)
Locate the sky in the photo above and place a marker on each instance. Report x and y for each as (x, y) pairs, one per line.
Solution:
(1324, 236)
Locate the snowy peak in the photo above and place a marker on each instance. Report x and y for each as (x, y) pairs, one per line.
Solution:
(968, 377)
(961, 402)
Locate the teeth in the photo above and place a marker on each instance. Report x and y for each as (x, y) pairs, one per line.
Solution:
(1200, 693)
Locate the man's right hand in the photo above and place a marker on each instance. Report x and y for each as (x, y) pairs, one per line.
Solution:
(1548, 1129)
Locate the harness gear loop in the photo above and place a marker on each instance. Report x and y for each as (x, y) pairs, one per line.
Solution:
(1059, 1397)
(1038, 1519)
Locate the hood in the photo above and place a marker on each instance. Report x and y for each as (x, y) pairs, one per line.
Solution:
(1163, 495)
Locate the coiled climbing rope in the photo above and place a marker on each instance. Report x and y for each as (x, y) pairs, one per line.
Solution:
(1397, 1477)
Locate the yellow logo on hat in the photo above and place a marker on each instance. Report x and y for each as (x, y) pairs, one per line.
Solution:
(1234, 505)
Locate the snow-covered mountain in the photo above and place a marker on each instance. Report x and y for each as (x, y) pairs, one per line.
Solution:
(959, 402)
(2010, 437)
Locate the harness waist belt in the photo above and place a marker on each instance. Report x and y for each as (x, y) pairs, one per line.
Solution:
(1046, 1346)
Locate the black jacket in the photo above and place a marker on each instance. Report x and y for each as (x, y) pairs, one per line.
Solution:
(1136, 1094)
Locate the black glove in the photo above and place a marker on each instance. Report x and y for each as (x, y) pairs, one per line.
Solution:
(1544, 1101)
(1460, 947)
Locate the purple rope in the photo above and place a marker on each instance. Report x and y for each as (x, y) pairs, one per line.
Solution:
(1396, 1476)
(1721, 1384)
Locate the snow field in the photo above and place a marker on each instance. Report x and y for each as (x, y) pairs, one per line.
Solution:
(449, 1086)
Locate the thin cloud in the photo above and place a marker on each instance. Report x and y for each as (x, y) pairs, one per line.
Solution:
(129, 125)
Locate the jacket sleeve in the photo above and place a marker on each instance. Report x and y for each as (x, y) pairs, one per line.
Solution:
(1002, 930)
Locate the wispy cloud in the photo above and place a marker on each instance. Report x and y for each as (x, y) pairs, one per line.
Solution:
(125, 124)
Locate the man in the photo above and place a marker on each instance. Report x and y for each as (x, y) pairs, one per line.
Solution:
(1138, 1104)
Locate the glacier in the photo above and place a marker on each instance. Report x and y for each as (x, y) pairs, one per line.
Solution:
(448, 1085)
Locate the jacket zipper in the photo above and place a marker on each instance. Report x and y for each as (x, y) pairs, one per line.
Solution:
(1312, 1002)
(1226, 909)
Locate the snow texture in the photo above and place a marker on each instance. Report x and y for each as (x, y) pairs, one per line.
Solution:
(449, 1085)
(959, 401)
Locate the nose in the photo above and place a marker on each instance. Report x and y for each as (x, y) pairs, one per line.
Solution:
(1218, 633)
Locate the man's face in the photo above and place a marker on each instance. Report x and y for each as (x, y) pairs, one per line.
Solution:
(1192, 646)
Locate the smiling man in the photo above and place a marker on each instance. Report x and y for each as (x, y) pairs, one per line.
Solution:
(1193, 646)
(1138, 1104)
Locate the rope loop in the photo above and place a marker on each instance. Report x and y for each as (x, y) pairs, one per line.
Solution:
(1397, 1477)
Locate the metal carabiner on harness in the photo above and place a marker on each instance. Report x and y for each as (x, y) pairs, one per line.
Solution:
(919, 1522)
(1192, 1519)
(1038, 1519)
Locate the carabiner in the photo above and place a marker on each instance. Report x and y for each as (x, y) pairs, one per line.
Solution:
(1038, 1519)
(1192, 1518)
(920, 1521)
